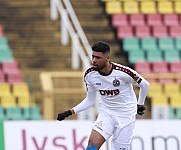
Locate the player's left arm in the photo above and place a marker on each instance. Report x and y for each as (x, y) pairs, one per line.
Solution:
(137, 80)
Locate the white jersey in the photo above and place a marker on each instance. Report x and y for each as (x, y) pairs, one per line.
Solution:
(115, 89)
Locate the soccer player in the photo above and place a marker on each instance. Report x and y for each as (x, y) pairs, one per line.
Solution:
(118, 104)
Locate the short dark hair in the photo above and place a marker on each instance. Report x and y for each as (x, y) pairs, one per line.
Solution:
(101, 46)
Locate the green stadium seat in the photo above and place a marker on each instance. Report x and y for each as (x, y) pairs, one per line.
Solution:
(149, 43)
(35, 113)
(131, 43)
(136, 56)
(6, 55)
(2, 116)
(178, 43)
(32, 113)
(3, 43)
(154, 56)
(171, 56)
(13, 113)
(166, 43)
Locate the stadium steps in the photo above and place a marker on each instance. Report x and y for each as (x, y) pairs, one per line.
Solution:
(34, 40)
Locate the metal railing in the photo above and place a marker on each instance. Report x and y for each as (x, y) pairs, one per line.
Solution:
(70, 27)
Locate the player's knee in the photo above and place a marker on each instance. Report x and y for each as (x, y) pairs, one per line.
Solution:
(93, 147)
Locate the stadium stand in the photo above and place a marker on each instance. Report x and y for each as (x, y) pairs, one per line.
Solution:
(156, 50)
(14, 92)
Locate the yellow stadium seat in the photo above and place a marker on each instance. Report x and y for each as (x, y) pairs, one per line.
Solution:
(24, 101)
(131, 7)
(20, 89)
(8, 101)
(5, 89)
(175, 101)
(159, 100)
(177, 6)
(155, 89)
(171, 88)
(148, 7)
(165, 7)
(113, 7)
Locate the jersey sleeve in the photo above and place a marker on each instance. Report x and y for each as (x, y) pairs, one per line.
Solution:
(89, 100)
(137, 80)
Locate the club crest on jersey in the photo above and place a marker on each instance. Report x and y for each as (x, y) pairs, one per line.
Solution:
(116, 82)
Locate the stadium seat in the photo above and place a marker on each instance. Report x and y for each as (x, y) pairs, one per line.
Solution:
(14, 78)
(171, 88)
(171, 20)
(9, 67)
(156, 88)
(137, 19)
(20, 89)
(124, 32)
(160, 107)
(178, 43)
(166, 43)
(171, 56)
(131, 44)
(5, 89)
(175, 106)
(143, 67)
(120, 20)
(148, 7)
(149, 43)
(175, 31)
(136, 56)
(142, 31)
(24, 101)
(154, 56)
(2, 114)
(160, 67)
(32, 113)
(131, 7)
(6, 55)
(177, 6)
(3, 43)
(8, 101)
(159, 31)
(175, 67)
(14, 113)
(165, 7)
(2, 77)
(154, 20)
(113, 7)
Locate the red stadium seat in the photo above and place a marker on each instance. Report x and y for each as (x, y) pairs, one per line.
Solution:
(9, 67)
(154, 20)
(143, 67)
(137, 20)
(175, 31)
(2, 77)
(171, 19)
(142, 31)
(159, 31)
(125, 32)
(14, 78)
(160, 67)
(120, 20)
(175, 67)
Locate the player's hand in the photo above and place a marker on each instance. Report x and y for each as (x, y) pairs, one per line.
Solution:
(63, 115)
(141, 109)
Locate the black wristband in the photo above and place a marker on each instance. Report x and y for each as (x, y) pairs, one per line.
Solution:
(62, 116)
